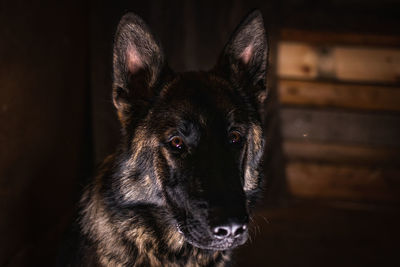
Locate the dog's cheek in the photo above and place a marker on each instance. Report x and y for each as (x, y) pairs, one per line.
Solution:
(168, 178)
(176, 199)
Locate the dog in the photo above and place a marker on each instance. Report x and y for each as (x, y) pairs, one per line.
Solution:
(188, 171)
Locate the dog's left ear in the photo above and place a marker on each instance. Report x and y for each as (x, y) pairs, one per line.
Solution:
(138, 63)
(244, 58)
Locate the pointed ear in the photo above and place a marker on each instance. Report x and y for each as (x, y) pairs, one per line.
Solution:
(138, 62)
(244, 58)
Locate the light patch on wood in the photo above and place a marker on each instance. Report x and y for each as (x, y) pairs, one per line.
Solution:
(297, 60)
(367, 65)
(356, 64)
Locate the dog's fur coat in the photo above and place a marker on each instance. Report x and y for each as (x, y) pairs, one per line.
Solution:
(178, 190)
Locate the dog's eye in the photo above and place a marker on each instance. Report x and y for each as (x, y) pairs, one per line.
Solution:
(177, 143)
(235, 137)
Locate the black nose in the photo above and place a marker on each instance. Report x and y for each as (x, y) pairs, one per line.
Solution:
(233, 229)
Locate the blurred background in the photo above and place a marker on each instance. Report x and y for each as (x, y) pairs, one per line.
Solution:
(333, 120)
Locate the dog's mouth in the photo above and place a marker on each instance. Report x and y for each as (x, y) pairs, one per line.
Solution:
(201, 238)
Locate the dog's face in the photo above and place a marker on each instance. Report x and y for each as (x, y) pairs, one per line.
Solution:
(194, 139)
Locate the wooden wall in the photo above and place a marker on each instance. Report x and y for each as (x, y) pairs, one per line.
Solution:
(340, 118)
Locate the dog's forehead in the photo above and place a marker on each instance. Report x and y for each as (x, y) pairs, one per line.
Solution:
(200, 92)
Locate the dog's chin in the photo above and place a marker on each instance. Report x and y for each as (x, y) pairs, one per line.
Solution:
(217, 246)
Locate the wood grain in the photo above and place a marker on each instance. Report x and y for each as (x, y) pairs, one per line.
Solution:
(305, 124)
(356, 64)
(343, 182)
(325, 94)
(342, 154)
(343, 38)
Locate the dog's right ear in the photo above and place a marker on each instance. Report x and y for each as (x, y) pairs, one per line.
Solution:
(138, 62)
(244, 58)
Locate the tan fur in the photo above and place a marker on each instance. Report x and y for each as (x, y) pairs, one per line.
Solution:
(251, 175)
(137, 210)
(97, 223)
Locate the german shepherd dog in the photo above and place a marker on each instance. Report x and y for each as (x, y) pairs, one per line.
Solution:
(179, 189)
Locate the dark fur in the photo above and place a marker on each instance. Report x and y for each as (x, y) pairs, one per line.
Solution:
(154, 204)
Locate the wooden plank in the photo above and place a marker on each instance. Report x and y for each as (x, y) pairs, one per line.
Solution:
(304, 61)
(335, 38)
(367, 64)
(342, 127)
(343, 182)
(297, 60)
(324, 94)
(343, 154)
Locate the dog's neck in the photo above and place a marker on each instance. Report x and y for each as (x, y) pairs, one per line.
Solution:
(138, 235)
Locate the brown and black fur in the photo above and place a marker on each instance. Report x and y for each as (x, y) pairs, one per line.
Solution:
(161, 202)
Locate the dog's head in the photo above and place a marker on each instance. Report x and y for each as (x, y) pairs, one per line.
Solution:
(194, 140)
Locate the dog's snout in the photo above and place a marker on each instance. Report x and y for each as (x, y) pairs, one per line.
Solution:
(233, 229)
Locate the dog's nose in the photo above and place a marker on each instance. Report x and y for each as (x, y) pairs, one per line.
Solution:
(233, 229)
